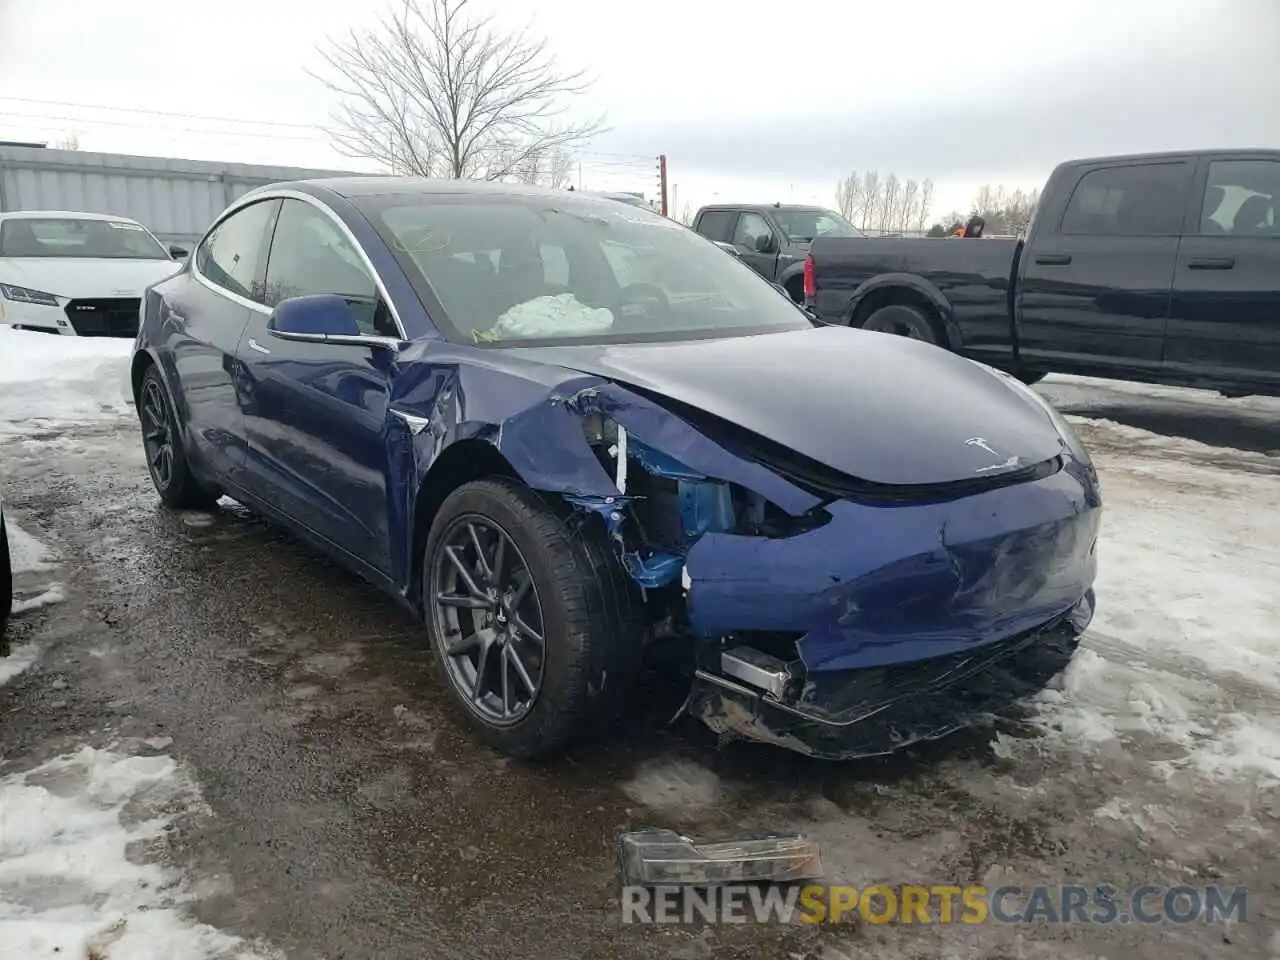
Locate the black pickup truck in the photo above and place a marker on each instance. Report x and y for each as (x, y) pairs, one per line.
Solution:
(1162, 268)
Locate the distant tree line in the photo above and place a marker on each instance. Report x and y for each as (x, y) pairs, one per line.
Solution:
(893, 205)
(889, 205)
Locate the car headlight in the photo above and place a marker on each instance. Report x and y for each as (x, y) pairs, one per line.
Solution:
(1059, 422)
(26, 295)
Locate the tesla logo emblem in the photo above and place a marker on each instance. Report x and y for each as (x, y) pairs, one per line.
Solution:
(982, 444)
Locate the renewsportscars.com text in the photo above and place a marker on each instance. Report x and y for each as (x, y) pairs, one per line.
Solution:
(942, 904)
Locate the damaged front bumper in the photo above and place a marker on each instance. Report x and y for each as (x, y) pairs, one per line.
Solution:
(845, 715)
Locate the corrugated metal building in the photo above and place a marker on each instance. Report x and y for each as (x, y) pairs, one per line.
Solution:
(176, 199)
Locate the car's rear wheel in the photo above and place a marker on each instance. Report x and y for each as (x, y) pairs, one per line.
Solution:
(903, 320)
(166, 460)
(530, 613)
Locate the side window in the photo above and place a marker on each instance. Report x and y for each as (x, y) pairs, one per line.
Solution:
(231, 255)
(716, 224)
(1138, 200)
(310, 254)
(1240, 198)
(751, 227)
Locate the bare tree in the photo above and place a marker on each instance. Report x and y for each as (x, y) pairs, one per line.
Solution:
(1005, 210)
(687, 214)
(889, 204)
(849, 196)
(432, 90)
(926, 202)
(548, 168)
(70, 142)
(870, 197)
(907, 212)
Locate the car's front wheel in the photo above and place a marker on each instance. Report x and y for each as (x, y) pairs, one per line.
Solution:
(532, 616)
(166, 460)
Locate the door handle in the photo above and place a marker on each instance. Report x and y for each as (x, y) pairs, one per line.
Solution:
(255, 345)
(1053, 259)
(1211, 263)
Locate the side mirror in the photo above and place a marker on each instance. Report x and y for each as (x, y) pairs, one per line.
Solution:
(317, 317)
(764, 243)
(178, 253)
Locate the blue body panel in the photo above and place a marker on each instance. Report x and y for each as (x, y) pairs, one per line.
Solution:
(338, 441)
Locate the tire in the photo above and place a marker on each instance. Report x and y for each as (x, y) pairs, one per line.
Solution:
(6, 583)
(587, 607)
(170, 471)
(903, 320)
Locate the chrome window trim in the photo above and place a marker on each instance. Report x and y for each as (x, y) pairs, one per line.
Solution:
(341, 339)
(270, 194)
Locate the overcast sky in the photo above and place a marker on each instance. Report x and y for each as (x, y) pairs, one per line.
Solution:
(762, 101)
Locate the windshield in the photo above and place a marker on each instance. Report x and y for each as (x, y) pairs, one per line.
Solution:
(810, 224)
(538, 270)
(87, 238)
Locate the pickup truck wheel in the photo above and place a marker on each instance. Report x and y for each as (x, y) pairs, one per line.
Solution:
(531, 614)
(903, 320)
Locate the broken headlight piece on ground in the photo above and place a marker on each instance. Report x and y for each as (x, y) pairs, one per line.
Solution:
(655, 858)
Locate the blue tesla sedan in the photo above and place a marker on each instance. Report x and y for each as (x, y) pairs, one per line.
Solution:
(564, 430)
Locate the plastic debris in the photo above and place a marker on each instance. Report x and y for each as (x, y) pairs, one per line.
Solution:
(652, 858)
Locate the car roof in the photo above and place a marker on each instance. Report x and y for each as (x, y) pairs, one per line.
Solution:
(1173, 155)
(766, 206)
(355, 188)
(62, 215)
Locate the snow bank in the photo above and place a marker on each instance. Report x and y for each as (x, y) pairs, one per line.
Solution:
(1155, 391)
(1184, 646)
(79, 878)
(48, 382)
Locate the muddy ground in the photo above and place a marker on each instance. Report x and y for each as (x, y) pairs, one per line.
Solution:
(353, 817)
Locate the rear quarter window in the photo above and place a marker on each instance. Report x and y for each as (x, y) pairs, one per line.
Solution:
(715, 224)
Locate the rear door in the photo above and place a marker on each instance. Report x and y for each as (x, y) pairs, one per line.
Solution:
(1096, 277)
(315, 413)
(205, 312)
(1224, 318)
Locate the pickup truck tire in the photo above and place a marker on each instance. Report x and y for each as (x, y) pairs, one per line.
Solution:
(905, 321)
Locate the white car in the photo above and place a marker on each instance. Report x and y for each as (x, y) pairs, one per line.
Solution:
(77, 274)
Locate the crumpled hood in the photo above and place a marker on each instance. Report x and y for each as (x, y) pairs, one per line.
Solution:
(77, 279)
(881, 408)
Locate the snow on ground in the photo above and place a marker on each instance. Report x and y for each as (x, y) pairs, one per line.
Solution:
(81, 872)
(1152, 391)
(1184, 646)
(48, 382)
(26, 553)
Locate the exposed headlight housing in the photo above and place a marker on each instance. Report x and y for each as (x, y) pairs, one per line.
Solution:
(18, 294)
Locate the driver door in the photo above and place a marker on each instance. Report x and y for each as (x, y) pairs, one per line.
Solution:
(757, 244)
(314, 413)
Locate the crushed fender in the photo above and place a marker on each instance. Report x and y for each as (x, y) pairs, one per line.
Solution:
(653, 858)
